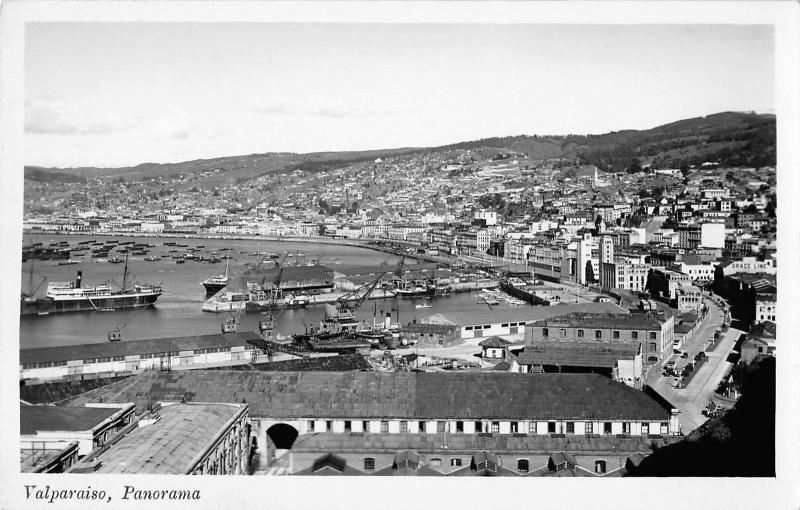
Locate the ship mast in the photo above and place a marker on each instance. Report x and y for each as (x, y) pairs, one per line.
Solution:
(125, 275)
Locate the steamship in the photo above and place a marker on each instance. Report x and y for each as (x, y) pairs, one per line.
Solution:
(74, 297)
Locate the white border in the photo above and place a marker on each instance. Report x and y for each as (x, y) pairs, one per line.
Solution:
(375, 492)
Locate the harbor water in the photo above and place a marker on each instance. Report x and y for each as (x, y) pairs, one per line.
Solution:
(178, 311)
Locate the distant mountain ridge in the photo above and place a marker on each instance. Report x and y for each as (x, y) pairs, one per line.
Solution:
(732, 138)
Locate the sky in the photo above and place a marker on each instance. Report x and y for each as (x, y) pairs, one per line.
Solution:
(120, 94)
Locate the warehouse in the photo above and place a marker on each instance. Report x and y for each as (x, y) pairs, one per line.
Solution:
(285, 407)
(508, 322)
(114, 359)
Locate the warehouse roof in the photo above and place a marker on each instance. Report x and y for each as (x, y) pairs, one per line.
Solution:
(172, 443)
(603, 320)
(398, 395)
(132, 347)
(528, 314)
(578, 354)
(33, 419)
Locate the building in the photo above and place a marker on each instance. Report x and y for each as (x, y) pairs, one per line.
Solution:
(45, 428)
(624, 275)
(489, 217)
(432, 335)
(114, 359)
(760, 342)
(752, 296)
(181, 439)
(357, 415)
(508, 322)
(494, 349)
(621, 362)
(664, 282)
(654, 333)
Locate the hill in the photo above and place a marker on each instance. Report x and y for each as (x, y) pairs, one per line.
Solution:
(731, 138)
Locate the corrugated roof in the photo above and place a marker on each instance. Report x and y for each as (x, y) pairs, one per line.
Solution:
(170, 444)
(528, 314)
(131, 347)
(398, 395)
(33, 419)
(577, 354)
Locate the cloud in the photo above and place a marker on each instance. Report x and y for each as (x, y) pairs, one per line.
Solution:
(54, 117)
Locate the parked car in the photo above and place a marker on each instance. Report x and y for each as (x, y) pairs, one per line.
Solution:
(700, 355)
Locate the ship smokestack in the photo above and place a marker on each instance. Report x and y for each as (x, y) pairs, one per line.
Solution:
(78, 280)
(388, 320)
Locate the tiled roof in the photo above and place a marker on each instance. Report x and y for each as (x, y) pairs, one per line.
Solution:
(33, 419)
(399, 395)
(578, 354)
(470, 443)
(131, 347)
(603, 320)
(494, 341)
(339, 363)
(169, 445)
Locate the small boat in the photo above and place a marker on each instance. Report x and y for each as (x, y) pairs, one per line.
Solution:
(68, 262)
(115, 260)
(424, 304)
(152, 258)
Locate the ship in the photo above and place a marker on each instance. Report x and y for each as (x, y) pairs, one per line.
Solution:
(63, 297)
(216, 283)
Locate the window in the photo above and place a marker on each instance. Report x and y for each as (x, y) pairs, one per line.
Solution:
(580, 333)
(478, 426)
(652, 335)
(626, 427)
(570, 427)
(607, 427)
(600, 466)
(459, 426)
(645, 429)
(634, 335)
(403, 427)
(531, 427)
(589, 427)
(421, 426)
(369, 464)
(348, 425)
(455, 462)
(468, 328)
(440, 426)
(310, 425)
(384, 426)
(495, 427)
(615, 335)
(436, 462)
(328, 426)
(504, 325)
(653, 347)
(545, 332)
(598, 333)
(365, 426)
(523, 465)
(562, 332)
(514, 427)
(664, 427)
(551, 427)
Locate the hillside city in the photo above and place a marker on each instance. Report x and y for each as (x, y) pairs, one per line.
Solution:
(674, 272)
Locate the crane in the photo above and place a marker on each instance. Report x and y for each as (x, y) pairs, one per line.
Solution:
(115, 334)
(351, 308)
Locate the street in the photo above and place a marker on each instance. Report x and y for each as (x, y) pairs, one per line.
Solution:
(692, 399)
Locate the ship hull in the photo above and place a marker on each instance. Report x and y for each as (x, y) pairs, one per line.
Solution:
(213, 288)
(120, 302)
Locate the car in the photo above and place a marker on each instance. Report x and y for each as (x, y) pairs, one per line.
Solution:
(700, 355)
(684, 354)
